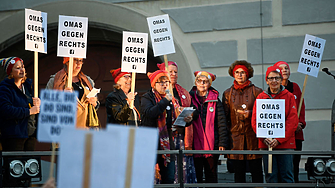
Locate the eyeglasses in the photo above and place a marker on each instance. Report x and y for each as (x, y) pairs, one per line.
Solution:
(202, 81)
(78, 61)
(163, 83)
(127, 77)
(277, 78)
(240, 73)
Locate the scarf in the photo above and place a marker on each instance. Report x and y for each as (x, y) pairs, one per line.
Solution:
(164, 141)
(204, 139)
(238, 86)
(186, 100)
(61, 78)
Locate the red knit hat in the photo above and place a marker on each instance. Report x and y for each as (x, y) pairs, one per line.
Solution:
(8, 63)
(66, 59)
(242, 67)
(273, 69)
(162, 65)
(281, 63)
(211, 77)
(156, 75)
(117, 74)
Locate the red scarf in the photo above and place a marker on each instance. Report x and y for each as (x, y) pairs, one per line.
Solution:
(238, 86)
(164, 140)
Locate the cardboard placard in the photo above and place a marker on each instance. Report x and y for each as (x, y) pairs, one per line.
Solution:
(161, 35)
(270, 118)
(36, 31)
(72, 36)
(109, 155)
(58, 110)
(134, 52)
(311, 55)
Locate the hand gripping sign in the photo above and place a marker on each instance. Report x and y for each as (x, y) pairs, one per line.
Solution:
(121, 157)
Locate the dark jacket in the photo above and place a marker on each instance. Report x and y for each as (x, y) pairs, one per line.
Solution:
(14, 109)
(220, 129)
(118, 110)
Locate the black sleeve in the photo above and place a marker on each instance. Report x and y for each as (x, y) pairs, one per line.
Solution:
(119, 111)
(150, 109)
(222, 126)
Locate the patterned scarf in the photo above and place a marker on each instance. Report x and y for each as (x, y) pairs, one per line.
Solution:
(238, 86)
(164, 140)
(61, 78)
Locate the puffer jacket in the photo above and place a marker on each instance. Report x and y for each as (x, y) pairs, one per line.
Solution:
(14, 109)
(243, 136)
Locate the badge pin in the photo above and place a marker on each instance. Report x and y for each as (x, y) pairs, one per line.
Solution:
(183, 96)
(244, 106)
(295, 96)
(168, 108)
(12, 61)
(211, 109)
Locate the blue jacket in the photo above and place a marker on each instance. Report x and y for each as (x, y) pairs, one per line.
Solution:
(14, 109)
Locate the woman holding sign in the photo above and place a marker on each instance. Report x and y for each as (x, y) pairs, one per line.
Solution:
(209, 126)
(282, 165)
(81, 83)
(118, 101)
(238, 102)
(160, 109)
(299, 135)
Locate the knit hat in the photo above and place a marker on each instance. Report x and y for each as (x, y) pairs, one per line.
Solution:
(156, 75)
(281, 63)
(249, 70)
(211, 77)
(242, 67)
(66, 59)
(162, 65)
(117, 74)
(273, 69)
(8, 63)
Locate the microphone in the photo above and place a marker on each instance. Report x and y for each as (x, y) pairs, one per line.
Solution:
(327, 72)
(167, 91)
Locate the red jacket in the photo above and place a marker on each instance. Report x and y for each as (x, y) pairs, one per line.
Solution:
(291, 119)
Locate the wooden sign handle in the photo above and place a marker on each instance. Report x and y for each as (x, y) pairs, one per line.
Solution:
(167, 69)
(270, 160)
(302, 95)
(35, 74)
(133, 76)
(87, 160)
(51, 172)
(70, 70)
(130, 156)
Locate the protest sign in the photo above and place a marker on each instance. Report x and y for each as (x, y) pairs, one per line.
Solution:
(134, 52)
(161, 35)
(311, 55)
(270, 121)
(58, 110)
(36, 31)
(110, 154)
(72, 36)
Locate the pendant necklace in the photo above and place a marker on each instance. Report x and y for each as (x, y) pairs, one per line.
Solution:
(78, 85)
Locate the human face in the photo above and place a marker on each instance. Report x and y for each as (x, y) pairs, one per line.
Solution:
(125, 82)
(274, 81)
(285, 71)
(202, 83)
(77, 65)
(162, 86)
(173, 71)
(18, 71)
(240, 76)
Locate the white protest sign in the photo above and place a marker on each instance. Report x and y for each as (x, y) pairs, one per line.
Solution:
(134, 52)
(72, 36)
(270, 121)
(58, 110)
(109, 155)
(161, 35)
(36, 31)
(311, 55)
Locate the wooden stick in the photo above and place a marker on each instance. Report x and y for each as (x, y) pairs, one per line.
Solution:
(133, 76)
(35, 74)
(87, 160)
(302, 95)
(130, 155)
(69, 74)
(51, 172)
(270, 160)
(167, 69)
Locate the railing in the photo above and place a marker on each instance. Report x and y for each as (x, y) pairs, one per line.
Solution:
(180, 153)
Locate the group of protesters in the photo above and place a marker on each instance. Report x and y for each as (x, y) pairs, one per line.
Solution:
(227, 124)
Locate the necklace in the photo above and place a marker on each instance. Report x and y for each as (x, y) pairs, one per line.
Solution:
(78, 85)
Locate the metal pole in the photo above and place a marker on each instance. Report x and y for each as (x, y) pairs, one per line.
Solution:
(180, 169)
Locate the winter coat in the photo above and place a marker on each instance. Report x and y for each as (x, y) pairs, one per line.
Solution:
(14, 109)
(220, 129)
(291, 118)
(242, 135)
(118, 111)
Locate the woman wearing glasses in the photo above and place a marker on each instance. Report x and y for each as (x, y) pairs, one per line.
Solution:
(81, 83)
(238, 102)
(209, 126)
(118, 101)
(282, 165)
(160, 109)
